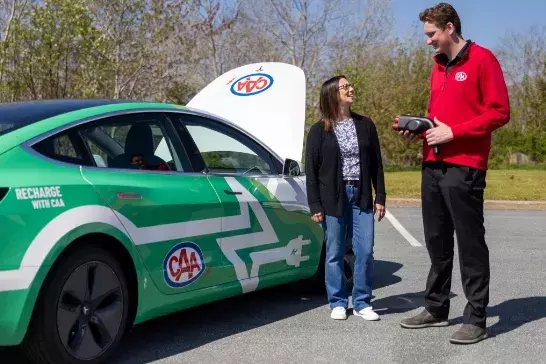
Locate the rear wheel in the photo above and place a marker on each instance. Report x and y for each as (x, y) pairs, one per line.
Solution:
(82, 312)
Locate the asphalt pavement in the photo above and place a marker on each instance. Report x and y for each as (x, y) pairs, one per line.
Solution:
(289, 325)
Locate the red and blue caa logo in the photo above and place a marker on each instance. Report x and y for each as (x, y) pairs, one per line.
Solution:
(183, 265)
(252, 84)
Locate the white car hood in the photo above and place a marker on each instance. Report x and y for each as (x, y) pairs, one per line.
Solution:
(265, 99)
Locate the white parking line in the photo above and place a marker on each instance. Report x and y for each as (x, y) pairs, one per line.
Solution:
(402, 230)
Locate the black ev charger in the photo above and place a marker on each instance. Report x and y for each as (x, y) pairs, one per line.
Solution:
(415, 125)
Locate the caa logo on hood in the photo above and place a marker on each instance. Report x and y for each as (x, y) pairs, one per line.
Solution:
(252, 84)
(183, 265)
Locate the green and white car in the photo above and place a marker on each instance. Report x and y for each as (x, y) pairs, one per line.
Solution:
(115, 212)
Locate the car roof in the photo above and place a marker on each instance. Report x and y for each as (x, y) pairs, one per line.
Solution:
(28, 112)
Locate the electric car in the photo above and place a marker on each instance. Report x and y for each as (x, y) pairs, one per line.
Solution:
(115, 212)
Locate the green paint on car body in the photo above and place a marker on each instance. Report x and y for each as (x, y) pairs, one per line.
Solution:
(247, 238)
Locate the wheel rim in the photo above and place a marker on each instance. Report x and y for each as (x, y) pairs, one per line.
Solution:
(90, 310)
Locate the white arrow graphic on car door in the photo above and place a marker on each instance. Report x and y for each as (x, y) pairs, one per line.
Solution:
(231, 244)
(69, 220)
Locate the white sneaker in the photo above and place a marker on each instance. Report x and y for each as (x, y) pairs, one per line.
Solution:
(367, 314)
(339, 313)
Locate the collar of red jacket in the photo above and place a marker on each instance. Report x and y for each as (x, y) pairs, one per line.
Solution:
(442, 60)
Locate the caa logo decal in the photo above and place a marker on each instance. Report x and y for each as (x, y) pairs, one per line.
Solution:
(183, 265)
(460, 76)
(252, 84)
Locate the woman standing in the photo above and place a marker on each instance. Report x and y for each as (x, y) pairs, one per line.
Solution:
(342, 162)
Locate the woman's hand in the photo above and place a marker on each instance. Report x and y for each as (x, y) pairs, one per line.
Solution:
(380, 209)
(318, 217)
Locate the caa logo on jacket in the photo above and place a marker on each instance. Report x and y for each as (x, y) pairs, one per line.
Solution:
(460, 76)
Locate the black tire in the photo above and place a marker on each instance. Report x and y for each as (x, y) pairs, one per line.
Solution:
(61, 318)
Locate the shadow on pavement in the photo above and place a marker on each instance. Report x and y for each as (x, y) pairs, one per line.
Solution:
(187, 330)
(516, 313)
(512, 314)
(401, 303)
(196, 327)
(384, 273)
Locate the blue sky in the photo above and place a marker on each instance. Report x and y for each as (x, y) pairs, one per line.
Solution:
(483, 21)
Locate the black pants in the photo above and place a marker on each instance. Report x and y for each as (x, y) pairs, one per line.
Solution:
(452, 201)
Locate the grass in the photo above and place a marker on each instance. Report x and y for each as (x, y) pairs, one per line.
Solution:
(502, 184)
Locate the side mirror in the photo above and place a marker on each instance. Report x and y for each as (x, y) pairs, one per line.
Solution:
(292, 168)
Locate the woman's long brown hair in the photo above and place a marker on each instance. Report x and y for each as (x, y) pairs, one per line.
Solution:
(329, 102)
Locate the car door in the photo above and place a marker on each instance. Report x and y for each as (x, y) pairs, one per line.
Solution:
(266, 228)
(171, 213)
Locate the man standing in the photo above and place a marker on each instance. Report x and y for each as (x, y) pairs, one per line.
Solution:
(468, 101)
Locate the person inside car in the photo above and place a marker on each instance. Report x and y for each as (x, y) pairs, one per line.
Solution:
(140, 163)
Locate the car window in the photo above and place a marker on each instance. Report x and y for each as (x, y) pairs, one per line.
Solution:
(131, 142)
(63, 147)
(225, 150)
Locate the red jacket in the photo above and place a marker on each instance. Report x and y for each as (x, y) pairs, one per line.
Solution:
(473, 100)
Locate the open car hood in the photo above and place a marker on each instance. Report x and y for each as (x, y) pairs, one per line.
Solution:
(265, 99)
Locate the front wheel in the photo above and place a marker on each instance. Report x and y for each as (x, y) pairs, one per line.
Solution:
(82, 311)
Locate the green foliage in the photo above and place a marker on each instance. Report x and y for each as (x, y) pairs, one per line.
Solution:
(165, 50)
(180, 93)
(393, 81)
(56, 51)
(509, 140)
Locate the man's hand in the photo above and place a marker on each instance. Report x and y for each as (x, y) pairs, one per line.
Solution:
(440, 134)
(318, 217)
(410, 137)
(380, 210)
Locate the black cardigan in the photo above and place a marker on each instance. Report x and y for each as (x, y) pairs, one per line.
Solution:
(323, 169)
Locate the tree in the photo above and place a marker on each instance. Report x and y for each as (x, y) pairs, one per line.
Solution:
(304, 30)
(523, 58)
(53, 51)
(392, 80)
(11, 13)
(217, 20)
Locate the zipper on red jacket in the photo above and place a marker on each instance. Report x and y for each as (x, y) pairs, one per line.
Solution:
(445, 77)
(442, 89)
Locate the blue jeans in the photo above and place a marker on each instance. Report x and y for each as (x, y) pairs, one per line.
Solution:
(360, 226)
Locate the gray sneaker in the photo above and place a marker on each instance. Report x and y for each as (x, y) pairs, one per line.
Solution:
(422, 320)
(468, 334)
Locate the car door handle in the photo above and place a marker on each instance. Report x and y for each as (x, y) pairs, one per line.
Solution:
(232, 192)
(129, 196)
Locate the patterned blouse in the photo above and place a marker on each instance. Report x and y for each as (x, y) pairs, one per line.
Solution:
(346, 136)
